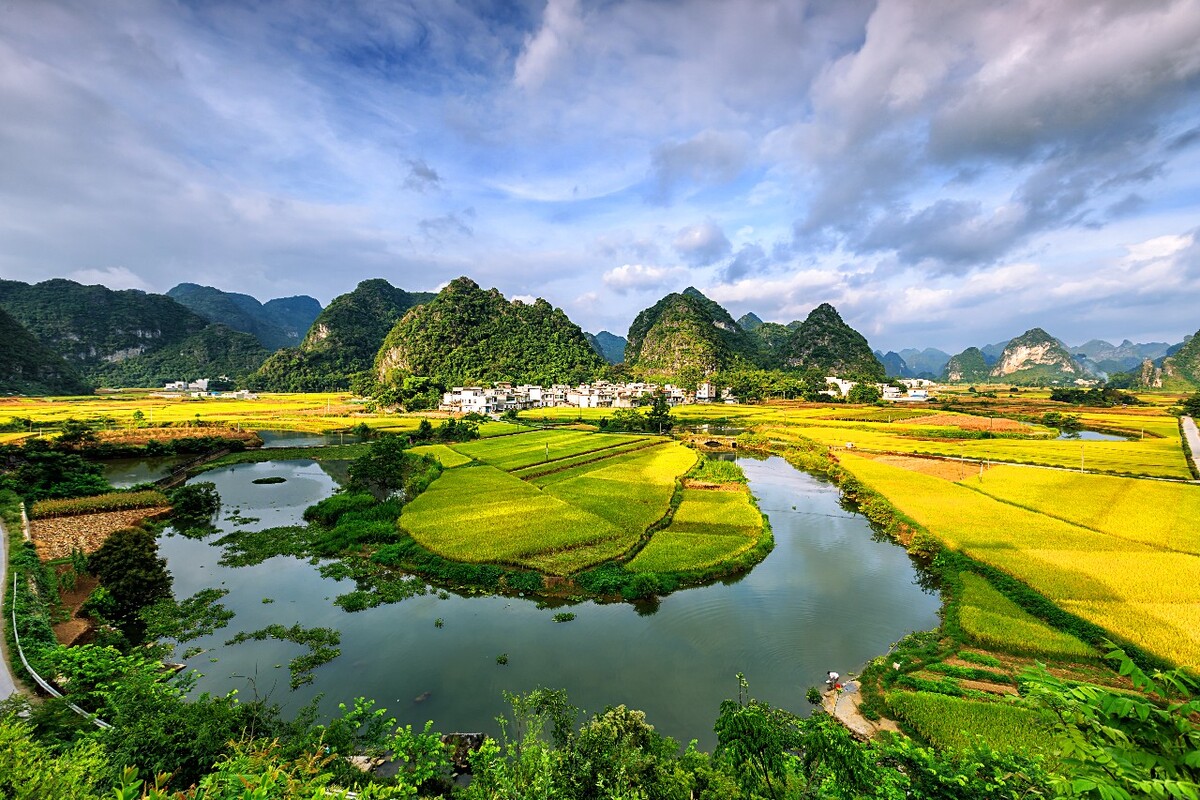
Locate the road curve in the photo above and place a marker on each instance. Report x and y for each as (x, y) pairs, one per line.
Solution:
(8, 686)
(1193, 439)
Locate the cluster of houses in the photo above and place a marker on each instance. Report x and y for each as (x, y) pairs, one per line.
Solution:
(199, 388)
(602, 394)
(916, 389)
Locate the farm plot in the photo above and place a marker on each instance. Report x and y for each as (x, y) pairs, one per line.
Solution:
(1156, 513)
(442, 454)
(992, 619)
(594, 512)
(1153, 457)
(956, 722)
(525, 449)
(1101, 578)
(708, 527)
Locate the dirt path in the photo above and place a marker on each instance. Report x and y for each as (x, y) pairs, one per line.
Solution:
(843, 706)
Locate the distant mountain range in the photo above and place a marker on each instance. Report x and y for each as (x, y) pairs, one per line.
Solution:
(63, 337)
(276, 324)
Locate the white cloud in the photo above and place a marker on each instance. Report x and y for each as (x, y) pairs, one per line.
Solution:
(640, 277)
(112, 277)
(702, 244)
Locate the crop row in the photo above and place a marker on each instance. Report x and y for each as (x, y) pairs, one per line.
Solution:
(590, 457)
(992, 619)
(443, 454)
(708, 527)
(1115, 583)
(1156, 513)
(526, 449)
(958, 722)
(114, 501)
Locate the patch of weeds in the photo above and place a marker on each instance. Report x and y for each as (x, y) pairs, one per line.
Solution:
(564, 616)
(322, 644)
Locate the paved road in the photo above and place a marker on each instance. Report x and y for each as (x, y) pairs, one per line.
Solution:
(7, 685)
(1193, 439)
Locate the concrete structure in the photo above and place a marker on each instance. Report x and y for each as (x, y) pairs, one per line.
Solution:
(601, 394)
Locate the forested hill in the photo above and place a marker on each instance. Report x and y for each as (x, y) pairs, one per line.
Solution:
(467, 334)
(342, 341)
(825, 342)
(610, 346)
(29, 367)
(109, 336)
(688, 336)
(276, 324)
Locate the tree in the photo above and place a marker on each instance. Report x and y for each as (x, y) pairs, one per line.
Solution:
(1191, 405)
(658, 420)
(864, 393)
(1118, 746)
(387, 469)
(37, 472)
(755, 738)
(130, 570)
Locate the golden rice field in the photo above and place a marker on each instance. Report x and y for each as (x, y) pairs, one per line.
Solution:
(1158, 513)
(1155, 457)
(1145, 594)
(709, 527)
(561, 523)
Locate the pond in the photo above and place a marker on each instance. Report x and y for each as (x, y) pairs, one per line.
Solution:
(274, 439)
(1094, 436)
(830, 596)
(125, 472)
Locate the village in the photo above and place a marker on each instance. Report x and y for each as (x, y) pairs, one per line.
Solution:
(602, 394)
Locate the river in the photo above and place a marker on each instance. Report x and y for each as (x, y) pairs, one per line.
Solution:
(831, 595)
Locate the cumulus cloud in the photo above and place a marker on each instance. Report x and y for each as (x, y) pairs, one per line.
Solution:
(641, 277)
(750, 260)
(702, 244)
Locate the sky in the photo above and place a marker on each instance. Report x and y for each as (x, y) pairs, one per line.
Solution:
(945, 173)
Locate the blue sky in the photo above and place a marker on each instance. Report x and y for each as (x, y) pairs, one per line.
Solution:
(944, 173)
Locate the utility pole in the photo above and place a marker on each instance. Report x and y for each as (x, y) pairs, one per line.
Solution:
(1081, 457)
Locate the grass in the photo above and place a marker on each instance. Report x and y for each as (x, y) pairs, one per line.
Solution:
(443, 454)
(333, 452)
(1113, 582)
(711, 470)
(957, 722)
(993, 620)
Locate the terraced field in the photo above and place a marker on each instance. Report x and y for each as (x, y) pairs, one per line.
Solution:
(993, 620)
(596, 507)
(1114, 582)
(710, 526)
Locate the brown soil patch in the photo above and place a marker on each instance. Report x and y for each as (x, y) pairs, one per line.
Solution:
(986, 686)
(77, 629)
(968, 422)
(691, 483)
(937, 467)
(56, 537)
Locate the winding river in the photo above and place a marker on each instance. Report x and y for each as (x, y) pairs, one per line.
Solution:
(830, 596)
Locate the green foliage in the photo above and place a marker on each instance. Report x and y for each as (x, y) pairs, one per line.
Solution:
(342, 342)
(955, 723)
(1119, 746)
(864, 393)
(1191, 405)
(711, 470)
(387, 468)
(30, 770)
(755, 739)
(322, 644)
(1096, 397)
(328, 511)
(1067, 423)
(29, 367)
(129, 569)
(199, 615)
(35, 471)
(87, 673)
(467, 335)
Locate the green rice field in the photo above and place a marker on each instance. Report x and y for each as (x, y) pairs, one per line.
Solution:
(959, 722)
(709, 527)
(993, 620)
